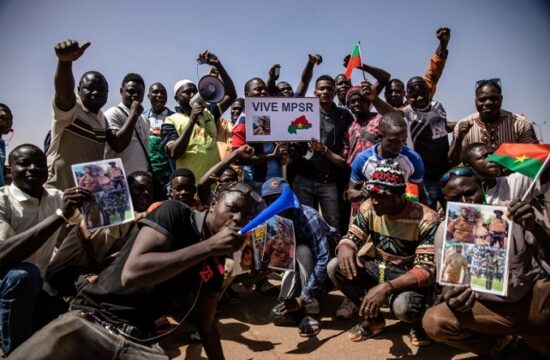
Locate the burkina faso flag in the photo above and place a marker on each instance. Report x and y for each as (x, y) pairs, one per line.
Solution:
(526, 159)
(354, 60)
(412, 192)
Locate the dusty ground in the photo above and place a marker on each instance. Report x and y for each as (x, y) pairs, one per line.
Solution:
(247, 333)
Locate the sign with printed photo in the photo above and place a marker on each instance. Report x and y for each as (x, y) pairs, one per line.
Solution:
(280, 244)
(111, 203)
(476, 247)
(270, 119)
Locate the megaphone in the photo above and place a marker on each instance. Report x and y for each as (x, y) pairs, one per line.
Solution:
(210, 90)
(287, 200)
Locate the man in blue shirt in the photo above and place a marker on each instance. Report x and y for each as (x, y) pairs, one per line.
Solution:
(393, 137)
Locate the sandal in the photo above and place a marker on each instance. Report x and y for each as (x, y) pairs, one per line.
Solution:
(364, 331)
(309, 327)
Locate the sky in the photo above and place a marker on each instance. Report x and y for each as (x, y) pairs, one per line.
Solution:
(161, 40)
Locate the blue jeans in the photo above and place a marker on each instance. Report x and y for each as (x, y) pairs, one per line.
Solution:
(24, 306)
(313, 194)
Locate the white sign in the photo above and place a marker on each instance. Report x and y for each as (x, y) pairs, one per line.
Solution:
(282, 119)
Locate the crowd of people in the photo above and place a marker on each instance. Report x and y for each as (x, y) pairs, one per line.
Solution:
(194, 181)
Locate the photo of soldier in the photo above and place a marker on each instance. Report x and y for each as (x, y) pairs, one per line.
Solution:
(455, 267)
(498, 229)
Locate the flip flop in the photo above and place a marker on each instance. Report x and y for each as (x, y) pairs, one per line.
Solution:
(362, 332)
(309, 327)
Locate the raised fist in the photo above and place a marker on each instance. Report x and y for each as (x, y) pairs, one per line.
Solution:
(69, 50)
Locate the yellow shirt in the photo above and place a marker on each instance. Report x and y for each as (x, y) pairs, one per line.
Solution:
(202, 151)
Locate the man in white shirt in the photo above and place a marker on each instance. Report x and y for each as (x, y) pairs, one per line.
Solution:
(135, 156)
(30, 219)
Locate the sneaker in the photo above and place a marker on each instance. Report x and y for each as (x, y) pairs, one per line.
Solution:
(418, 337)
(195, 336)
(346, 310)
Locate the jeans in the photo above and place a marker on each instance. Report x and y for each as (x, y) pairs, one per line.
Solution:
(435, 195)
(73, 337)
(408, 306)
(313, 193)
(24, 306)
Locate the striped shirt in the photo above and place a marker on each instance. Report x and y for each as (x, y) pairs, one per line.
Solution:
(77, 136)
(405, 240)
(510, 128)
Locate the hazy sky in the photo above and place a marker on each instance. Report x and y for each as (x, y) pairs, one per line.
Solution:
(161, 40)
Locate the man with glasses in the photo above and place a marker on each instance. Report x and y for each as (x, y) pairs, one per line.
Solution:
(484, 323)
(491, 124)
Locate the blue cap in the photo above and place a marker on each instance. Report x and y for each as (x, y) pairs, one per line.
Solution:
(274, 186)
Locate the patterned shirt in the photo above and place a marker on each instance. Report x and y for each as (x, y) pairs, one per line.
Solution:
(510, 128)
(313, 231)
(360, 136)
(405, 240)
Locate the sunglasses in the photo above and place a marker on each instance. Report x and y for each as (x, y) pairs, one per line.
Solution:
(494, 81)
(240, 188)
(459, 171)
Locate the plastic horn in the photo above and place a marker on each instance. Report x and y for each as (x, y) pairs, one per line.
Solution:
(287, 200)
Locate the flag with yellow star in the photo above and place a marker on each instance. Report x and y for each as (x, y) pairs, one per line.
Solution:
(526, 159)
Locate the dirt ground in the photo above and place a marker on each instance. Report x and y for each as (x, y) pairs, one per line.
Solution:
(247, 333)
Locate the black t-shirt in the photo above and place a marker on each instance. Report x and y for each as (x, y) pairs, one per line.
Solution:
(141, 306)
(429, 137)
(317, 167)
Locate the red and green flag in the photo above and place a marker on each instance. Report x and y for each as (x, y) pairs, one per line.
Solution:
(354, 60)
(526, 159)
(412, 192)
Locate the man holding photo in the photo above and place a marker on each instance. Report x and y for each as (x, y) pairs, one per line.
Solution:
(484, 323)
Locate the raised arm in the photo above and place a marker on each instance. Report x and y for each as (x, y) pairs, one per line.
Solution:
(229, 87)
(272, 78)
(307, 74)
(438, 60)
(18, 247)
(206, 181)
(455, 150)
(382, 77)
(66, 51)
(369, 91)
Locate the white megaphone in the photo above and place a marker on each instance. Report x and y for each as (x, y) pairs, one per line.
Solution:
(210, 90)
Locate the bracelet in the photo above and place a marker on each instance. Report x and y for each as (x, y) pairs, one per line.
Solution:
(391, 286)
(59, 213)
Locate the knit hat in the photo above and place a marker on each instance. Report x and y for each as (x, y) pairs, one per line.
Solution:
(181, 83)
(387, 178)
(353, 91)
(273, 186)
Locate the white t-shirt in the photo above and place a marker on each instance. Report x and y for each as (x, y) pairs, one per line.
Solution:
(133, 157)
